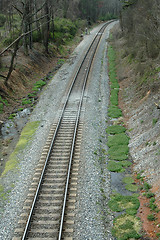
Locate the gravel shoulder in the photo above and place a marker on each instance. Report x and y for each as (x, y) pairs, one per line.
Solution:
(47, 111)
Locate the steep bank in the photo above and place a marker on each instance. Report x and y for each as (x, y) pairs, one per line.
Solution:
(140, 102)
(31, 73)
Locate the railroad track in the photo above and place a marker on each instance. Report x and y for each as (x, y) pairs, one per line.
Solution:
(48, 212)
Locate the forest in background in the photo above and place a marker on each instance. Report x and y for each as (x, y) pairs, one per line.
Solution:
(47, 21)
(35, 32)
(140, 38)
(31, 31)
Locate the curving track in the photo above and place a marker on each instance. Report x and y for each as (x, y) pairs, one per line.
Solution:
(49, 208)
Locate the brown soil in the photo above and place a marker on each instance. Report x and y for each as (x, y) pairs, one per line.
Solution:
(151, 228)
(22, 80)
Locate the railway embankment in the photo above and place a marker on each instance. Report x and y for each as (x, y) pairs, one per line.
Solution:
(139, 100)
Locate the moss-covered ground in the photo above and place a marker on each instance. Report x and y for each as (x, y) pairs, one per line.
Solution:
(25, 137)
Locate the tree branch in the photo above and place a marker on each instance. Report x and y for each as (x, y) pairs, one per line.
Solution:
(22, 35)
(17, 9)
(2, 76)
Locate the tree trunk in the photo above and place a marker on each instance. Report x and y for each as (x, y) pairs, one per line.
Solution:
(36, 17)
(12, 62)
(46, 29)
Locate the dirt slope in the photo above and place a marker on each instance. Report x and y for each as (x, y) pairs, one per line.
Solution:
(140, 105)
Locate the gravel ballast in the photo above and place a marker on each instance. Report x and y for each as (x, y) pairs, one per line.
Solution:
(89, 220)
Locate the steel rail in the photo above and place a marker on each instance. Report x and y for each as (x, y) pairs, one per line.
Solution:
(73, 142)
(74, 139)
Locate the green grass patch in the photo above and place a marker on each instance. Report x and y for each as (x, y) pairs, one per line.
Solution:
(114, 85)
(32, 95)
(112, 74)
(131, 187)
(2, 103)
(20, 109)
(119, 152)
(1, 107)
(12, 116)
(126, 163)
(2, 193)
(114, 112)
(60, 61)
(119, 203)
(128, 180)
(111, 53)
(114, 97)
(39, 84)
(26, 135)
(126, 227)
(115, 129)
(154, 121)
(115, 166)
(26, 101)
(118, 139)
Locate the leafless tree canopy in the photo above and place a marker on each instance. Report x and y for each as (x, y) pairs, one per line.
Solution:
(27, 21)
(140, 22)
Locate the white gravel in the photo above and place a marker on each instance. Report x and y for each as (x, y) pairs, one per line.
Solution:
(89, 221)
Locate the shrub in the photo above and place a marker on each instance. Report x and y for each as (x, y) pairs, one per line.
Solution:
(151, 217)
(65, 30)
(147, 186)
(150, 194)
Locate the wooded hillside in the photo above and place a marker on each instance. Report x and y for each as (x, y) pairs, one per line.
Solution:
(33, 32)
(140, 22)
(140, 40)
